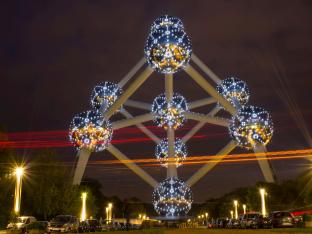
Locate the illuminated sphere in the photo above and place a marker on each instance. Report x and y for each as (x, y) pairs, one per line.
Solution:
(180, 152)
(172, 198)
(250, 126)
(89, 130)
(169, 114)
(166, 21)
(168, 48)
(104, 95)
(234, 90)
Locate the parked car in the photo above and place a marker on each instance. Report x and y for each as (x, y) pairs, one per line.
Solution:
(264, 222)
(39, 227)
(94, 225)
(233, 223)
(64, 223)
(222, 222)
(282, 219)
(21, 223)
(250, 220)
(299, 221)
(83, 226)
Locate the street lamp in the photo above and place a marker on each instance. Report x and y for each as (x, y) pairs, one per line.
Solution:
(206, 215)
(244, 208)
(106, 209)
(262, 194)
(110, 211)
(83, 207)
(19, 172)
(232, 214)
(235, 208)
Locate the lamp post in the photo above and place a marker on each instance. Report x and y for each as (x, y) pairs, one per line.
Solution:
(106, 209)
(262, 194)
(235, 208)
(232, 214)
(244, 208)
(83, 206)
(110, 211)
(19, 172)
(206, 215)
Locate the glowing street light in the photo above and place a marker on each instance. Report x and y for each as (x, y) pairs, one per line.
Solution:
(262, 194)
(235, 208)
(83, 215)
(106, 209)
(19, 172)
(244, 208)
(110, 211)
(232, 214)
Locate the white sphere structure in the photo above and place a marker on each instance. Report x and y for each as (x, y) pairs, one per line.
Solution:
(234, 90)
(168, 48)
(89, 130)
(180, 152)
(172, 198)
(104, 95)
(251, 126)
(169, 114)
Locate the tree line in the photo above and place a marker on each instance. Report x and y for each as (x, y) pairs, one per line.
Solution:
(288, 195)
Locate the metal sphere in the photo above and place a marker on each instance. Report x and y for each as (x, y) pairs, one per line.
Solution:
(234, 90)
(251, 126)
(169, 114)
(172, 198)
(104, 95)
(166, 21)
(180, 152)
(89, 130)
(168, 48)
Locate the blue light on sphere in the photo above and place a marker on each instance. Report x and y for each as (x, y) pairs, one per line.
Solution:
(172, 198)
(168, 48)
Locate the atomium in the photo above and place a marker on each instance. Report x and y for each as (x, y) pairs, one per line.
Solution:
(172, 197)
(180, 152)
(104, 95)
(89, 130)
(251, 126)
(234, 90)
(168, 48)
(169, 114)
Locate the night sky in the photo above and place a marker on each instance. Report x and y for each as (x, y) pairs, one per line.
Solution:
(52, 53)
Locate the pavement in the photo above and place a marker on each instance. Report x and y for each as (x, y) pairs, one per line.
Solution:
(2, 231)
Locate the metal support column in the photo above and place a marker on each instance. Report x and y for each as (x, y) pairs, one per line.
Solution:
(132, 166)
(264, 163)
